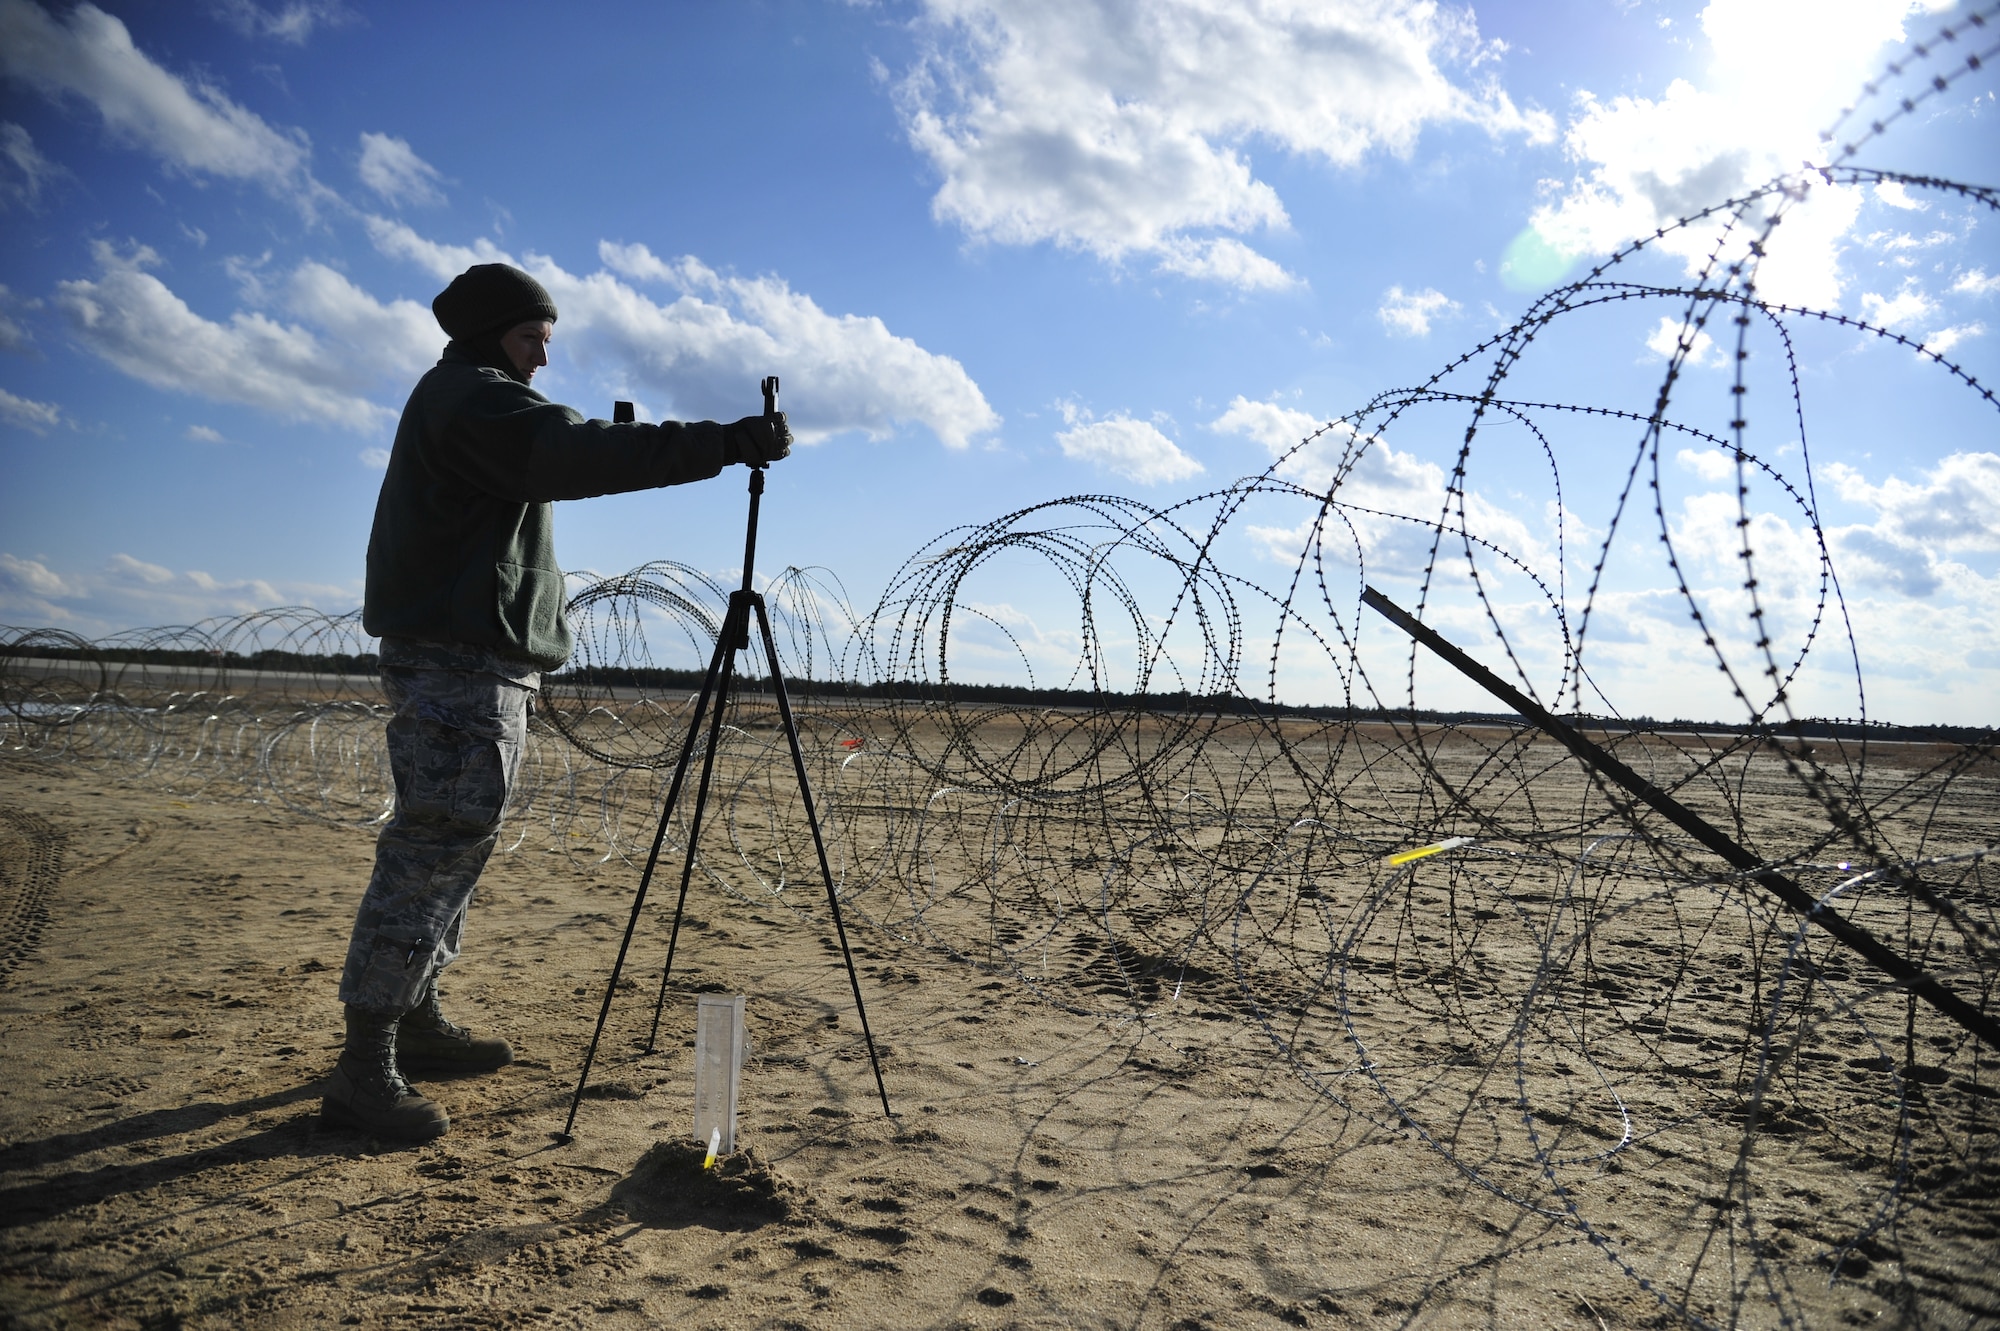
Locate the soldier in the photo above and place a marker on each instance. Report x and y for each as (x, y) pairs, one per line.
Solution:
(467, 598)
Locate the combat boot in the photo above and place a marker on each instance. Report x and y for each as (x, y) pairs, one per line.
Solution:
(367, 1092)
(428, 1041)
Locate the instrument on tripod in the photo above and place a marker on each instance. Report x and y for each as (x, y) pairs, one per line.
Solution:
(734, 637)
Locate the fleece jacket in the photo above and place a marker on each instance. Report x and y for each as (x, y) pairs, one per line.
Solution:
(463, 547)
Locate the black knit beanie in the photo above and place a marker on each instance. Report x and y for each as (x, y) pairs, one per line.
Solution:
(490, 298)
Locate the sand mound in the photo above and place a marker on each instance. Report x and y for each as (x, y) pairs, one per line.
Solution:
(669, 1188)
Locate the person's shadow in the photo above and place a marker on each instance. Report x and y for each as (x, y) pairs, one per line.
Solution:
(44, 1198)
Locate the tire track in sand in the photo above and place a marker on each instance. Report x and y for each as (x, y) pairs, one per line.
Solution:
(31, 861)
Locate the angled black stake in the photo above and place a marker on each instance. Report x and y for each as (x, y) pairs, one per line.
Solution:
(1880, 955)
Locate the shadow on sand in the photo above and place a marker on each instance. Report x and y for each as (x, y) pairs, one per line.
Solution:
(297, 1135)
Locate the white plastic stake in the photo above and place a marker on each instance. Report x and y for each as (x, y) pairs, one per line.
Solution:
(718, 1067)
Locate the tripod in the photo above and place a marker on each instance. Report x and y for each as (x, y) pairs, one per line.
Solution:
(735, 637)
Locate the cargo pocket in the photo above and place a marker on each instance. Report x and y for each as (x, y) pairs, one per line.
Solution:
(445, 772)
(479, 796)
(454, 746)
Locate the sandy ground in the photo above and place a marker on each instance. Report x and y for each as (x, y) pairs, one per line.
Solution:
(167, 1013)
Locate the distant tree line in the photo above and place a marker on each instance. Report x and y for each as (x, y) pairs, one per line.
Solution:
(662, 679)
(273, 659)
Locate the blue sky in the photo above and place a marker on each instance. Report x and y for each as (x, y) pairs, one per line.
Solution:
(1002, 252)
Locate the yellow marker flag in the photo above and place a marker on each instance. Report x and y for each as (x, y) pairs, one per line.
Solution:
(1425, 852)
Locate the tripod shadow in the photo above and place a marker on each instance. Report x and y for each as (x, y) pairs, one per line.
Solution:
(666, 1189)
(43, 1199)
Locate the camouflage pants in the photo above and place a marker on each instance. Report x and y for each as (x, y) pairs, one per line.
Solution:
(455, 745)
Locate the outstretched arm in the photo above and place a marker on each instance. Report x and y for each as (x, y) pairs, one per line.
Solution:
(509, 441)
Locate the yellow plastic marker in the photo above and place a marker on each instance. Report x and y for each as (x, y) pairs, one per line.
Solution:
(1425, 852)
(714, 1145)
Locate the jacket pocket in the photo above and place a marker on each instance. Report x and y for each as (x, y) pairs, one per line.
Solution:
(529, 602)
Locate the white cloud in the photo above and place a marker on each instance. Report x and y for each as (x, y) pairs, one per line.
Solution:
(148, 575)
(1712, 465)
(206, 434)
(1899, 243)
(1645, 163)
(14, 337)
(1915, 594)
(723, 333)
(397, 339)
(1786, 562)
(126, 593)
(1119, 129)
(1316, 453)
(1276, 428)
(705, 350)
(1370, 472)
(292, 22)
(1917, 573)
(1906, 307)
(1226, 260)
(29, 414)
(338, 345)
(642, 265)
(375, 459)
(1319, 455)
(133, 320)
(1942, 340)
(1953, 507)
(1916, 576)
(1897, 195)
(25, 172)
(29, 577)
(441, 261)
(1976, 283)
(1911, 307)
(393, 170)
(190, 125)
(1409, 314)
(1665, 340)
(1871, 561)
(1135, 450)
(1390, 500)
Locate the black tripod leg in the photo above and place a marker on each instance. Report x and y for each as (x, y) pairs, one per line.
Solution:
(732, 632)
(819, 844)
(715, 666)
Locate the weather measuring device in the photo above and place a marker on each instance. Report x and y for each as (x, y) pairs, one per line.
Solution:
(744, 604)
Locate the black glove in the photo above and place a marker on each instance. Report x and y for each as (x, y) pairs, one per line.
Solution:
(757, 440)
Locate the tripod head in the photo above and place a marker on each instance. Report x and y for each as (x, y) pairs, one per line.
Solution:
(770, 387)
(622, 414)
